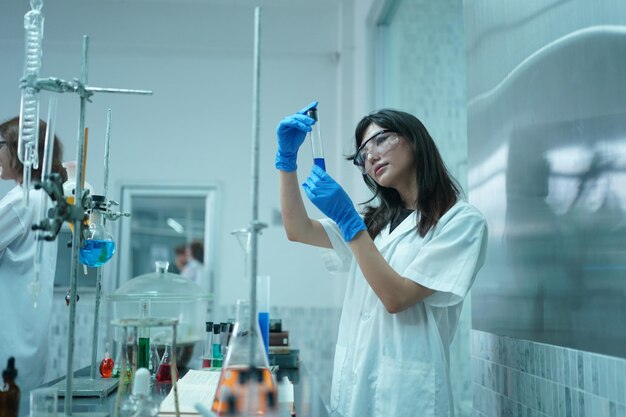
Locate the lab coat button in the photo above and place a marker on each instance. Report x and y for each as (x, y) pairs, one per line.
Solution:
(365, 316)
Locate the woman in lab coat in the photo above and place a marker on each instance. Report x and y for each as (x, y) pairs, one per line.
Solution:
(410, 260)
(24, 329)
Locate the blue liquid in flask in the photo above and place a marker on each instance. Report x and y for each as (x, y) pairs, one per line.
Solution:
(320, 163)
(96, 253)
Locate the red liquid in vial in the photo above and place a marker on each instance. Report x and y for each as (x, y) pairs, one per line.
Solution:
(206, 362)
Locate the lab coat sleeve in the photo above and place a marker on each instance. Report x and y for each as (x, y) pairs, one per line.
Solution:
(11, 226)
(449, 261)
(339, 258)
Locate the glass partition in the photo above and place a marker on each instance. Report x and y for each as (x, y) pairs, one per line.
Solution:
(546, 123)
(164, 220)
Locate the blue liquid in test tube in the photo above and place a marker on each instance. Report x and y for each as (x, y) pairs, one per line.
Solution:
(320, 163)
(316, 140)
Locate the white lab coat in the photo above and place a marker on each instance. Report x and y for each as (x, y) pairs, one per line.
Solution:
(397, 364)
(193, 270)
(24, 329)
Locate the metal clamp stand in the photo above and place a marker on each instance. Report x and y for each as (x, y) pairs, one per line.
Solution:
(85, 92)
(137, 323)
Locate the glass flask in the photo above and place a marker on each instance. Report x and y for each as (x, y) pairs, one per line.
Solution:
(164, 373)
(154, 362)
(246, 383)
(117, 365)
(107, 364)
(98, 246)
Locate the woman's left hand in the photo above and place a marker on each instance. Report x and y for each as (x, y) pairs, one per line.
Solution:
(332, 200)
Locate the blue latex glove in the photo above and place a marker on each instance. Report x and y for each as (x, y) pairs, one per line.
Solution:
(291, 133)
(332, 200)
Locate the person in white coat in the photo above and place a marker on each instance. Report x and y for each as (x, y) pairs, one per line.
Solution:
(24, 329)
(410, 261)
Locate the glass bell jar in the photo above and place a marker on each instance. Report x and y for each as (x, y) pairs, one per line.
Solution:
(164, 295)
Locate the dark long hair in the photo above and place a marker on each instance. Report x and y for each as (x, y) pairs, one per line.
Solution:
(437, 190)
(9, 131)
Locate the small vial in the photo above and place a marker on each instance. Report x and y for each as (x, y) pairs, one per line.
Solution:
(10, 392)
(316, 140)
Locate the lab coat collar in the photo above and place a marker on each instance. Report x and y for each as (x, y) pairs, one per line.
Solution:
(406, 226)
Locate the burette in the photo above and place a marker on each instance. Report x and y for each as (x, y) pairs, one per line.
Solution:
(29, 107)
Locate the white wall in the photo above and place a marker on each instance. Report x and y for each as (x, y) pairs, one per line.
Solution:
(196, 128)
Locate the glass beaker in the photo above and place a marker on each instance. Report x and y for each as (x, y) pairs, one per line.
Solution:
(246, 381)
(98, 246)
(43, 402)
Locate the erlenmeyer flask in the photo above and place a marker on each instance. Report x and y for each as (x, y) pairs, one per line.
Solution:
(117, 367)
(164, 372)
(246, 382)
(98, 246)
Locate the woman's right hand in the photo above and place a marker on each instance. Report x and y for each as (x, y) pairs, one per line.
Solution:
(291, 132)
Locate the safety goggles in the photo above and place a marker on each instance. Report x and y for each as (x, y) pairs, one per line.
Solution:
(379, 144)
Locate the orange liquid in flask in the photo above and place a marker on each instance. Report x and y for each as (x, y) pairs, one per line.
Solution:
(230, 385)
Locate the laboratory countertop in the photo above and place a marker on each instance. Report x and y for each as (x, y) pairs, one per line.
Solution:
(307, 400)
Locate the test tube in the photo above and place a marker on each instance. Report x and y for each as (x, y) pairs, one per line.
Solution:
(217, 349)
(208, 345)
(224, 338)
(143, 337)
(316, 140)
(263, 307)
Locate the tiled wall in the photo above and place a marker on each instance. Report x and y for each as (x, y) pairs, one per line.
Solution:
(57, 350)
(513, 377)
(314, 332)
(311, 330)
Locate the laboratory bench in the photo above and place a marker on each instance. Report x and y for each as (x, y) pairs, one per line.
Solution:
(307, 400)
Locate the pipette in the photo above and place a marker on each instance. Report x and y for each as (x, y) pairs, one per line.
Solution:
(316, 140)
(35, 285)
(29, 107)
